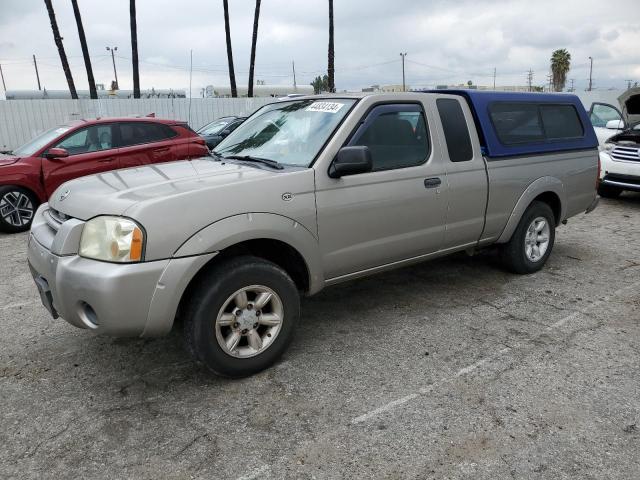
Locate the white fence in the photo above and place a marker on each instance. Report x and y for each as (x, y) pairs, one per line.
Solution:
(21, 120)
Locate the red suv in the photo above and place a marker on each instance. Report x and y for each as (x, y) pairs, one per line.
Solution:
(29, 174)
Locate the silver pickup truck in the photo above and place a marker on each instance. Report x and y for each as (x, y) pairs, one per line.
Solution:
(308, 193)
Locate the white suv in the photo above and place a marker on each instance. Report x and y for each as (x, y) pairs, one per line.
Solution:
(618, 135)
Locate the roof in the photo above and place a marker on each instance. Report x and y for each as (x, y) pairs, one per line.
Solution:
(480, 101)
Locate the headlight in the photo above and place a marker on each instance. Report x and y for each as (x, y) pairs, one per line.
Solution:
(112, 239)
(608, 146)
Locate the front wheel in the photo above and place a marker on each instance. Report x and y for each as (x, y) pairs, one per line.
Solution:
(532, 242)
(17, 208)
(242, 316)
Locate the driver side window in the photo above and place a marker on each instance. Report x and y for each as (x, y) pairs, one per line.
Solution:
(396, 136)
(86, 140)
(602, 113)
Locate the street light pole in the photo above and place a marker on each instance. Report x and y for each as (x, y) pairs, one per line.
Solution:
(4, 86)
(404, 87)
(113, 60)
(590, 73)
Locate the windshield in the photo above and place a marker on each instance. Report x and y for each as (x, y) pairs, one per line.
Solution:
(40, 141)
(290, 133)
(214, 127)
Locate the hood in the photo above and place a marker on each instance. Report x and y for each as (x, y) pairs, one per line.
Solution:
(630, 135)
(115, 192)
(630, 105)
(173, 201)
(7, 159)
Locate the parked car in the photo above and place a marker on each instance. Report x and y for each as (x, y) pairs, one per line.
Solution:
(29, 174)
(215, 131)
(619, 136)
(308, 193)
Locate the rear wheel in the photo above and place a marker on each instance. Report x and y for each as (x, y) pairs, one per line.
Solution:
(608, 191)
(17, 208)
(242, 316)
(532, 242)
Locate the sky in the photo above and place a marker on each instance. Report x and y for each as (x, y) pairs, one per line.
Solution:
(446, 42)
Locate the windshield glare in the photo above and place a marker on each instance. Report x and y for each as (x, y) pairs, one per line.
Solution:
(214, 127)
(40, 141)
(290, 133)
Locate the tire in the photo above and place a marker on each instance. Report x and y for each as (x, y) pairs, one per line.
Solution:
(212, 321)
(607, 191)
(17, 208)
(519, 254)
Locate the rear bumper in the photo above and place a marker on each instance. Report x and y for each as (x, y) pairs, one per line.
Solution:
(115, 299)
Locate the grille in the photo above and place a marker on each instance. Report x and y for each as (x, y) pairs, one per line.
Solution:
(54, 218)
(627, 154)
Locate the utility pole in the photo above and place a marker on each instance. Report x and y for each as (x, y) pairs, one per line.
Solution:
(113, 59)
(404, 87)
(572, 87)
(35, 64)
(295, 86)
(494, 78)
(628, 82)
(590, 73)
(549, 78)
(4, 86)
(190, 80)
(530, 78)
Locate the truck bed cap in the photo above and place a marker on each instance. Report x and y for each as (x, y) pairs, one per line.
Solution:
(480, 101)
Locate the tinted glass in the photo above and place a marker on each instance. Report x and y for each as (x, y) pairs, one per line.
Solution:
(560, 121)
(135, 133)
(396, 139)
(456, 132)
(516, 122)
(90, 139)
(214, 128)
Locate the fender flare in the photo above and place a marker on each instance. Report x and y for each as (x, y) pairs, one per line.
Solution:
(537, 187)
(254, 226)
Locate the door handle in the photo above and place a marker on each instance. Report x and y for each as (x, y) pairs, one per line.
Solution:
(106, 160)
(433, 182)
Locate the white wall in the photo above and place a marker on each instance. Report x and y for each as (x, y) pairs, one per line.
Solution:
(21, 120)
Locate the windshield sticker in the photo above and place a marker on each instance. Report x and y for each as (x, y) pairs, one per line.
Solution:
(327, 107)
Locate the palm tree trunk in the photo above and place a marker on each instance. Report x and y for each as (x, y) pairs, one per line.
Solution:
(134, 49)
(63, 56)
(227, 28)
(330, 67)
(254, 40)
(85, 50)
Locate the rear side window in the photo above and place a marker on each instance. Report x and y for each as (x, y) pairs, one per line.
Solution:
(396, 136)
(136, 133)
(517, 123)
(560, 121)
(456, 132)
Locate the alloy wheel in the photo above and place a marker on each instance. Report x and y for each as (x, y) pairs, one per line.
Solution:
(16, 208)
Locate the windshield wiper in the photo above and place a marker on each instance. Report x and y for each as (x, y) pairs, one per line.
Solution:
(249, 158)
(7, 152)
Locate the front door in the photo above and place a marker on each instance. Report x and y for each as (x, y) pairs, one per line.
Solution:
(393, 213)
(91, 150)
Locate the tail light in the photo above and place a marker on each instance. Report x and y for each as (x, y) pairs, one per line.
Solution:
(599, 169)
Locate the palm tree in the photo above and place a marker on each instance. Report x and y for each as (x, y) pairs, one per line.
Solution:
(254, 40)
(134, 48)
(330, 68)
(227, 28)
(63, 56)
(560, 66)
(85, 50)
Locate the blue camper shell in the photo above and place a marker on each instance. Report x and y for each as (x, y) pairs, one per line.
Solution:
(480, 103)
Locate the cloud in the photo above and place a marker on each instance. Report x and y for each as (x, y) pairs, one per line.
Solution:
(446, 42)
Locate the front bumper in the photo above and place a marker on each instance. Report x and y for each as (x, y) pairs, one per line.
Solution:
(138, 299)
(618, 173)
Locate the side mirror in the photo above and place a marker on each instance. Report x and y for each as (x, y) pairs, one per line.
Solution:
(351, 161)
(54, 153)
(615, 125)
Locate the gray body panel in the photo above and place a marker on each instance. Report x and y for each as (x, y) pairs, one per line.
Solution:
(342, 228)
